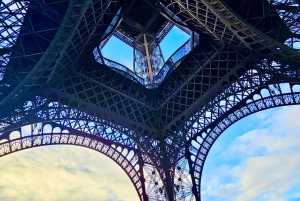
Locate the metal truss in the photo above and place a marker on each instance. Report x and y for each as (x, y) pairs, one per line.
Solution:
(83, 123)
(239, 91)
(202, 141)
(159, 136)
(39, 67)
(134, 163)
(11, 23)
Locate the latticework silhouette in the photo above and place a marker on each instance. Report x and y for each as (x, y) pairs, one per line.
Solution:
(157, 124)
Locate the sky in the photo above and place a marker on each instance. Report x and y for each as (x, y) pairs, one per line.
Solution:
(256, 159)
(124, 55)
(63, 172)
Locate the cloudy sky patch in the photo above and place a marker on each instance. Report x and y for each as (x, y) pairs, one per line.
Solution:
(63, 173)
(257, 158)
(261, 163)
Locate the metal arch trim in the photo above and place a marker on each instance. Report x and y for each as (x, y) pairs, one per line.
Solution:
(294, 102)
(43, 136)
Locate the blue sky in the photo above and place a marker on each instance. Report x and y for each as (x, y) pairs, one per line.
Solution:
(124, 53)
(256, 159)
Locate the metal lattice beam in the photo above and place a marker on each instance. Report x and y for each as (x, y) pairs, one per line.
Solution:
(171, 128)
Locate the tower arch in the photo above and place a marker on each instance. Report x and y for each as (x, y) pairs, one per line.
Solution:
(134, 162)
(204, 140)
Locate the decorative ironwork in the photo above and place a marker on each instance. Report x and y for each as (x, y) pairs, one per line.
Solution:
(160, 135)
(149, 66)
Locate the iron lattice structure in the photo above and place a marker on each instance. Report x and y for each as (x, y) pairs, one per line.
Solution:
(247, 52)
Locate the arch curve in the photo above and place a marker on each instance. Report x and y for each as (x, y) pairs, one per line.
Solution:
(128, 161)
(134, 160)
(85, 120)
(235, 115)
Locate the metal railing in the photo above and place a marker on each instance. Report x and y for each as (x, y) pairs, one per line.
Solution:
(175, 59)
(119, 68)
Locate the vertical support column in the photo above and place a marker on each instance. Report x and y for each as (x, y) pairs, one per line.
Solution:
(169, 185)
(192, 170)
(142, 177)
(148, 58)
(168, 172)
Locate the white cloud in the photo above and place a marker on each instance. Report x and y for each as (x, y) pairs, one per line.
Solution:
(271, 173)
(63, 173)
(283, 132)
(266, 160)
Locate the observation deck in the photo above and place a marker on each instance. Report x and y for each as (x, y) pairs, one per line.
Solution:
(143, 27)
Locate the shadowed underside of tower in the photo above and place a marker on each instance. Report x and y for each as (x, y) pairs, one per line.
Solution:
(159, 120)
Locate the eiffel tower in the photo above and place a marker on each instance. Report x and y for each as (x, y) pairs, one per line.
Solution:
(159, 120)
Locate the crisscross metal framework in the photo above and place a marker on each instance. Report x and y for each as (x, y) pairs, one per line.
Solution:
(245, 62)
